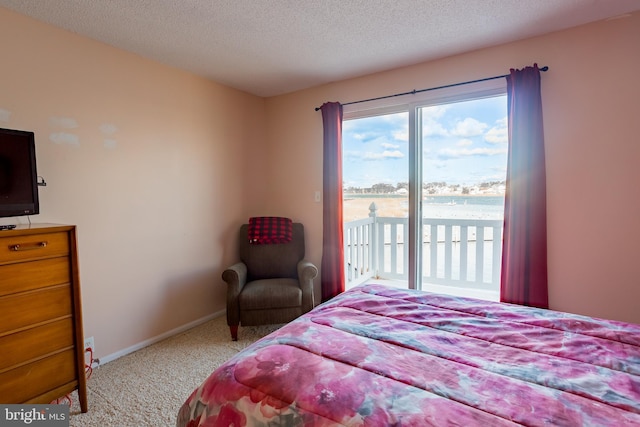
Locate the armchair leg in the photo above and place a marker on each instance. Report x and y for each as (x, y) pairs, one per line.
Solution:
(234, 332)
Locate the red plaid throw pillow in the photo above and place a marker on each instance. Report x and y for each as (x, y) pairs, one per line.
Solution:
(265, 230)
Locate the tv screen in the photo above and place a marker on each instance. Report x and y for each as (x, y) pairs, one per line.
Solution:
(18, 175)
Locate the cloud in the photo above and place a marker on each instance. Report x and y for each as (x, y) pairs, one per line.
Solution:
(368, 129)
(358, 156)
(386, 154)
(349, 125)
(469, 127)
(380, 137)
(395, 119)
(389, 145)
(351, 154)
(456, 153)
(436, 111)
(431, 116)
(432, 127)
(401, 135)
(364, 136)
(464, 143)
(499, 133)
(496, 173)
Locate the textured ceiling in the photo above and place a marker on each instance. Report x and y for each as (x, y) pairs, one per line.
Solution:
(271, 47)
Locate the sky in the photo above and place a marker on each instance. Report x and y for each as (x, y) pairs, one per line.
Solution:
(463, 143)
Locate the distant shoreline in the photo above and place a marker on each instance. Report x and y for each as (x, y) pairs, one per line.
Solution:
(357, 206)
(405, 196)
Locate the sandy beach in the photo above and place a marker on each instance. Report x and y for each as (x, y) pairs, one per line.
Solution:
(357, 208)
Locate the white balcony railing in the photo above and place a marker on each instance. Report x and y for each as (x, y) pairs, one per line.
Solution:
(463, 253)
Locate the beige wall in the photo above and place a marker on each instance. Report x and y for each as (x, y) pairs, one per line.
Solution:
(163, 166)
(591, 111)
(148, 161)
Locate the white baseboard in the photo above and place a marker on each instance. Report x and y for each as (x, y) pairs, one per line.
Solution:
(113, 356)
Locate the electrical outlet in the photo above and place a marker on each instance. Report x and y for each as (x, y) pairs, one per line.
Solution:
(88, 343)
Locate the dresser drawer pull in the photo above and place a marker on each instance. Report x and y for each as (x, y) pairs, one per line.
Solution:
(28, 247)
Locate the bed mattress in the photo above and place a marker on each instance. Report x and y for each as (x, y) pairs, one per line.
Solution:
(380, 356)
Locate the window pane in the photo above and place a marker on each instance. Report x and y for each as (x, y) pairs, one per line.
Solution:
(464, 148)
(375, 181)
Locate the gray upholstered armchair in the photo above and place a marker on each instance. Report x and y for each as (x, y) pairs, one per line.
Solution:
(272, 283)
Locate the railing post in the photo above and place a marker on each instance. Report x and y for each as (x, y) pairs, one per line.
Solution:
(374, 238)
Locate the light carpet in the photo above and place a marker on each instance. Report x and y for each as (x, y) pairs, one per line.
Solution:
(147, 387)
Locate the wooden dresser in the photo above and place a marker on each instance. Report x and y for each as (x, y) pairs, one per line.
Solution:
(41, 338)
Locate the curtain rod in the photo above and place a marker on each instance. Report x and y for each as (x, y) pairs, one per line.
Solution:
(413, 92)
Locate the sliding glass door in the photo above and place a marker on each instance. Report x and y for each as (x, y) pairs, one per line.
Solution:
(462, 181)
(424, 190)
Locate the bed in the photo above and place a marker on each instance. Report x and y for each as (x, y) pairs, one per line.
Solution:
(381, 356)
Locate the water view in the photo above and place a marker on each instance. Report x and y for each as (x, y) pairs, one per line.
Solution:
(463, 207)
(356, 206)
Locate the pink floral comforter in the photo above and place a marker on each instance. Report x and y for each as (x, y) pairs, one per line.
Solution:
(379, 356)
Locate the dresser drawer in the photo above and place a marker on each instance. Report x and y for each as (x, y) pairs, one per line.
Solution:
(26, 276)
(21, 347)
(33, 246)
(31, 380)
(28, 308)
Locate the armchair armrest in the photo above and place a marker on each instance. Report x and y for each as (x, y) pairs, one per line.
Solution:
(306, 273)
(235, 277)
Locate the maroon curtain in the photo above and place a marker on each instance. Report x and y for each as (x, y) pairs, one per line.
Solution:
(332, 268)
(524, 249)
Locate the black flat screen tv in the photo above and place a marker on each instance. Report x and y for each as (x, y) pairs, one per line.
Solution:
(18, 174)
